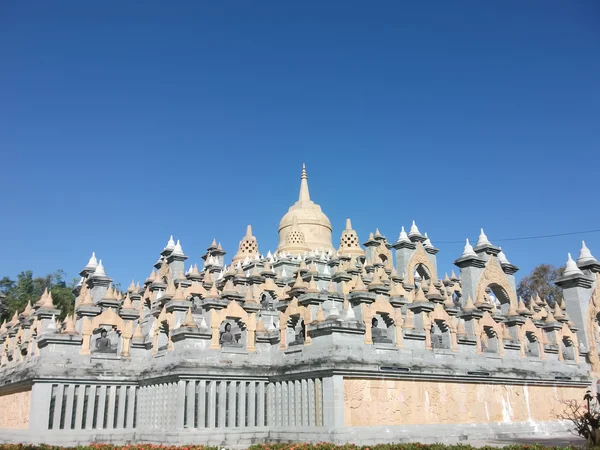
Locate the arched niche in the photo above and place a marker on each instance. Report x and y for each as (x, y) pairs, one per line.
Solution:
(569, 348)
(233, 333)
(489, 335)
(390, 317)
(233, 312)
(291, 317)
(161, 338)
(420, 259)
(529, 335)
(108, 318)
(296, 330)
(446, 326)
(494, 278)
(382, 255)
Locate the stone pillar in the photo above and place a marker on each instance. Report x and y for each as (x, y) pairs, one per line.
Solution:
(201, 387)
(333, 401)
(241, 391)
(577, 291)
(39, 408)
(180, 404)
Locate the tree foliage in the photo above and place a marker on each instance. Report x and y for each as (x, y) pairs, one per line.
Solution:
(28, 288)
(541, 281)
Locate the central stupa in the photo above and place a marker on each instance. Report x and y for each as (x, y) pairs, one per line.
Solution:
(305, 227)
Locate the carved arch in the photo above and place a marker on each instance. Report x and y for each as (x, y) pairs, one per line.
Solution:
(235, 311)
(108, 317)
(494, 275)
(419, 256)
(294, 309)
(487, 321)
(567, 333)
(382, 305)
(529, 327)
(440, 314)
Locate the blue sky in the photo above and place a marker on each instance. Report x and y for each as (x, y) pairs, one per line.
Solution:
(124, 122)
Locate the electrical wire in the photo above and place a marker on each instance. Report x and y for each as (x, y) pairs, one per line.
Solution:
(543, 236)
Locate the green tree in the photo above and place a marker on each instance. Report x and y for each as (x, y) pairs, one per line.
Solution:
(30, 289)
(541, 281)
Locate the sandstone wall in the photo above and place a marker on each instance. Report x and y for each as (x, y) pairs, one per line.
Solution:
(14, 410)
(397, 402)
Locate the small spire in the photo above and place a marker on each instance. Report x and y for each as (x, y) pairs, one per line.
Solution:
(468, 251)
(469, 305)
(189, 321)
(131, 287)
(87, 300)
(127, 304)
(427, 241)
(348, 224)
(483, 239)
(99, 272)
(414, 230)
(304, 194)
(312, 286)
(502, 257)
(584, 254)
(93, 262)
(70, 326)
(249, 231)
(403, 236)
(571, 268)
(177, 250)
(214, 243)
(171, 244)
(138, 332)
(420, 296)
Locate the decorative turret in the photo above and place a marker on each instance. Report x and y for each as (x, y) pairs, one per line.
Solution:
(586, 260)
(414, 234)
(248, 247)
(507, 267)
(349, 243)
(176, 260)
(90, 267)
(310, 220)
(485, 246)
(469, 258)
(169, 247)
(98, 283)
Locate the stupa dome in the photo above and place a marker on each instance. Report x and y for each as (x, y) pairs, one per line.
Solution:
(307, 217)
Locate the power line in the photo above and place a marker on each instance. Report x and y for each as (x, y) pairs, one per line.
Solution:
(544, 236)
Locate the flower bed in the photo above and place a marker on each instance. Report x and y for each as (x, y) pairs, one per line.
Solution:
(411, 446)
(288, 446)
(291, 446)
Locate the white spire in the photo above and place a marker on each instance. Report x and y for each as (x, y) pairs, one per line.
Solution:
(468, 251)
(170, 244)
(427, 241)
(403, 236)
(99, 272)
(584, 254)
(483, 239)
(571, 268)
(93, 262)
(177, 250)
(414, 230)
(502, 257)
